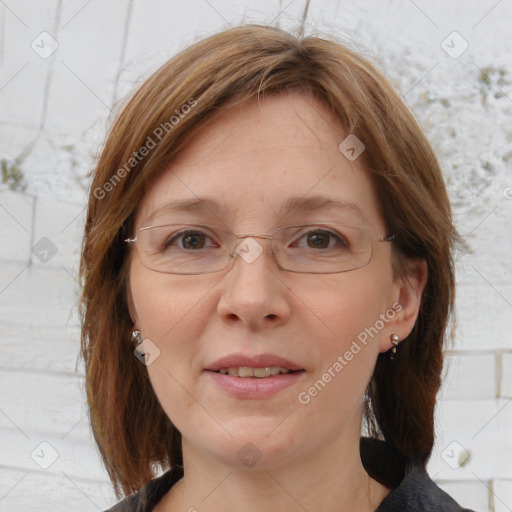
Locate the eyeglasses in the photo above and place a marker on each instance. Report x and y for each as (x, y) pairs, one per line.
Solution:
(323, 248)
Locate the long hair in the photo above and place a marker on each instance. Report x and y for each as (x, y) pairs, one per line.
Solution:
(134, 435)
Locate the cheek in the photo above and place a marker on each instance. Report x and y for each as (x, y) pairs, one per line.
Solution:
(347, 342)
(350, 304)
(164, 304)
(168, 315)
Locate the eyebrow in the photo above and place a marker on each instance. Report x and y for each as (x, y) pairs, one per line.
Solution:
(297, 203)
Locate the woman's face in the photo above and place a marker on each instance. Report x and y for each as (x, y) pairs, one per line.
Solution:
(250, 163)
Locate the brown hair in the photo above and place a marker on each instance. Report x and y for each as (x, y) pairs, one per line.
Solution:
(132, 431)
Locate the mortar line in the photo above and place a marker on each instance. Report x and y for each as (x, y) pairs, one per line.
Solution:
(49, 74)
(124, 42)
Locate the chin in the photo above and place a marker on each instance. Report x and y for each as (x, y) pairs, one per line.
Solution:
(254, 448)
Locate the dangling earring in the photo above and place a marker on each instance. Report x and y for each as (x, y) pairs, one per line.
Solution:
(395, 341)
(136, 337)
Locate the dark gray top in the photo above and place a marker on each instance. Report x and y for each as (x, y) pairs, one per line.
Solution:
(412, 488)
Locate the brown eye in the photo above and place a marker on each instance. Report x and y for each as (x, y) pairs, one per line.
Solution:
(190, 240)
(193, 241)
(322, 239)
(319, 240)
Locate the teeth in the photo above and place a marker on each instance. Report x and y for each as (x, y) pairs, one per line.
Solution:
(246, 371)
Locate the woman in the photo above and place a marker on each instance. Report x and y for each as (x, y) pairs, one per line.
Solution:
(267, 268)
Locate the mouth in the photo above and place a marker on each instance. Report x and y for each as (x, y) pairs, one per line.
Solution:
(256, 373)
(260, 365)
(258, 376)
(247, 382)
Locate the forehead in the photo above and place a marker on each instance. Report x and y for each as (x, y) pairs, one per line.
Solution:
(265, 162)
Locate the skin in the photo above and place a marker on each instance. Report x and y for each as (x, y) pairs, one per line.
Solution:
(251, 161)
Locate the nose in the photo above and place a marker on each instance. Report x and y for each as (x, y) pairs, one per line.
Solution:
(253, 291)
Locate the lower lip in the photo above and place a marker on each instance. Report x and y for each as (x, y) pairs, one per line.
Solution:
(254, 387)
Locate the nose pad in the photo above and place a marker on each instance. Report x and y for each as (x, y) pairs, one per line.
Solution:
(249, 249)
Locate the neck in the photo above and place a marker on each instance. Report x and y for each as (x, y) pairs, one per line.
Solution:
(327, 482)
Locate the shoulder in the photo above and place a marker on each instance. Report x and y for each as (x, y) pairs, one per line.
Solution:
(148, 496)
(418, 493)
(131, 503)
(412, 488)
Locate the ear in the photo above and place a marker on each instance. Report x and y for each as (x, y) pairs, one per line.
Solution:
(407, 295)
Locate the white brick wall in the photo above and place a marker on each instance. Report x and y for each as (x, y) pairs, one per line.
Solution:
(56, 110)
(506, 375)
(42, 387)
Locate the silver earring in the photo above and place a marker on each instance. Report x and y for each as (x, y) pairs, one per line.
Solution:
(137, 337)
(395, 341)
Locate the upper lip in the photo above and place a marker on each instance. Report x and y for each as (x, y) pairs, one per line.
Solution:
(256, 361)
